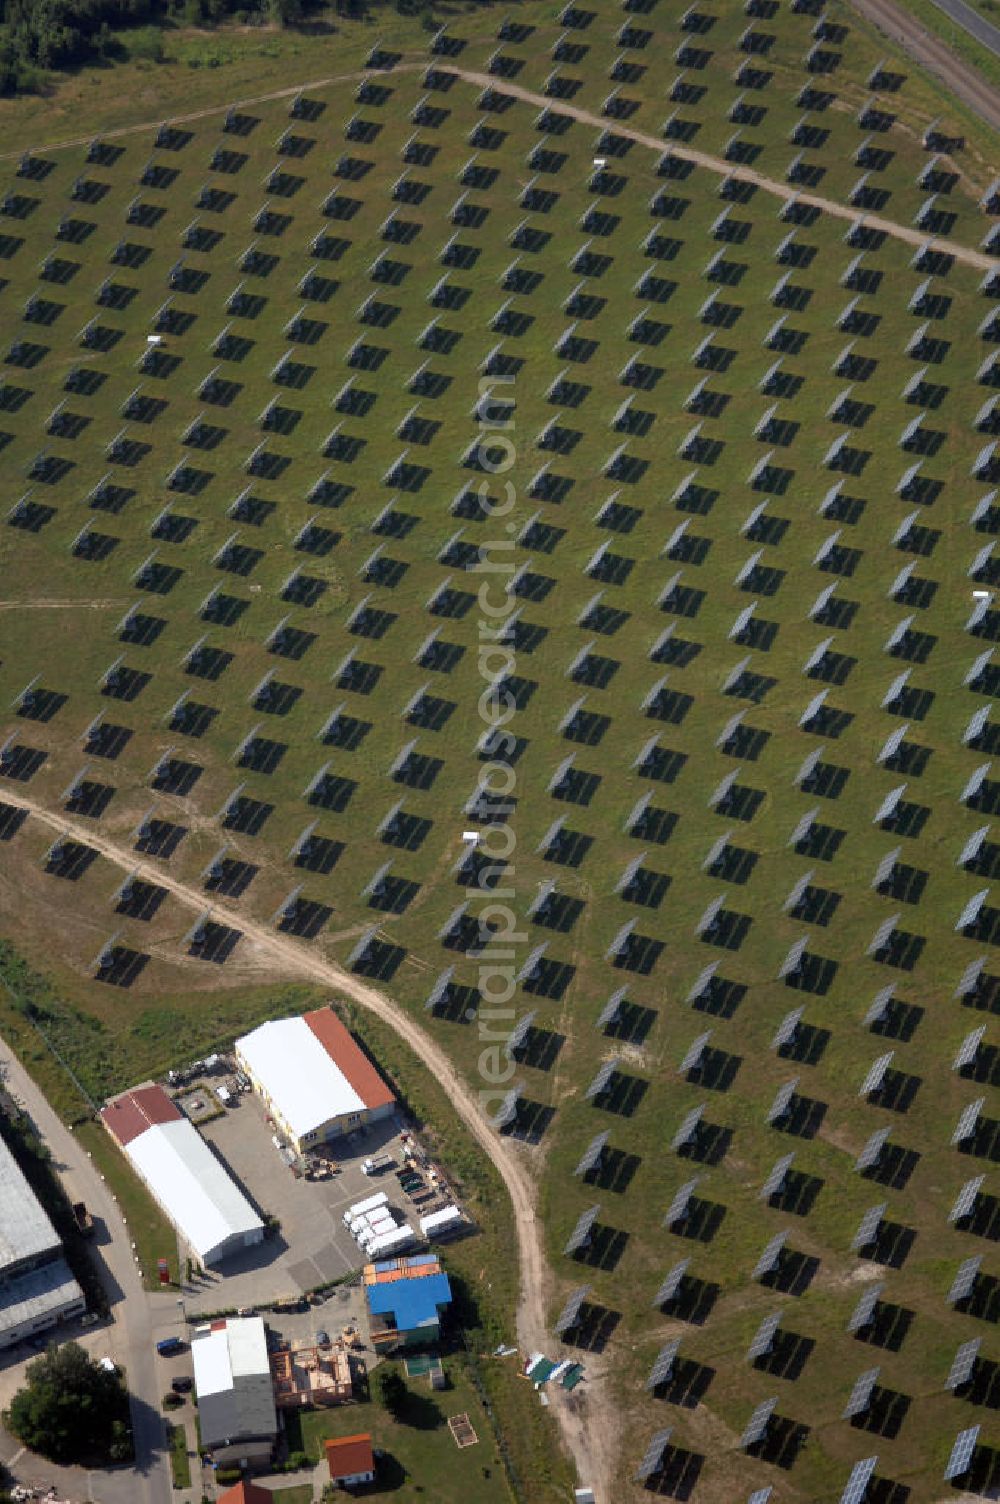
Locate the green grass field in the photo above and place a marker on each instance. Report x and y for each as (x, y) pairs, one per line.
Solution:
(418, 1446)
(284, 494)
(299, 1493)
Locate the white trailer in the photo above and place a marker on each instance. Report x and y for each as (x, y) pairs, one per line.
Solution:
(442, 1223)
(361, 1207)
(391, 1242)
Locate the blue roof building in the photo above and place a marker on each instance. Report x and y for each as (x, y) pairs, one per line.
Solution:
(407, 1312)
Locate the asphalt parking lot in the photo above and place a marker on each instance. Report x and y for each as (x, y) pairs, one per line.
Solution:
(313, 1246)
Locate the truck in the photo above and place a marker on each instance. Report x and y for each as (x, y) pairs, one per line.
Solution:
(375, 1165)
(441, 1224)
(359, 1207)
(377, 1222)
(391, 1242)
(84, 1220)
(376, 1227)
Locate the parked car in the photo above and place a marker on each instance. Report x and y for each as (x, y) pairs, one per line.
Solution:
(183, 1384)
(167, 1346)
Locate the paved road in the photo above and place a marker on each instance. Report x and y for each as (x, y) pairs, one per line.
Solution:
(971, 21)
(933, 54)
(131, 1306)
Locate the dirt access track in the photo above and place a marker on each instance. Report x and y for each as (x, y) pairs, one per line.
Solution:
(590, 1438)
(980, 97)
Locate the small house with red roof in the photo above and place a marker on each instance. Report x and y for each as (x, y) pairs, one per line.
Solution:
(351, 1460)
(246, 1492)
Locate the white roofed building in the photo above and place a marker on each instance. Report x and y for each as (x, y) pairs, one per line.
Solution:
(232, 1380)
(207, 1207)
(313, 1077)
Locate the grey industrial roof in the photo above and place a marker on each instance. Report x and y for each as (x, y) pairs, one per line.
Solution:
(45, 1291)
(232, 1376)
(25, 1230)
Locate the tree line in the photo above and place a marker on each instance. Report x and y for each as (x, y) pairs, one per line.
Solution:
(37, 36)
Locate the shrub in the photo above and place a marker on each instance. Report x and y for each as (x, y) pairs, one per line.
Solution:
(390, 1390)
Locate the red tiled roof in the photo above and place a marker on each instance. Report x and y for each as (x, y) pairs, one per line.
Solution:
(134, 1111)
(347, 1455)
(340, 1045)
(246, 1493)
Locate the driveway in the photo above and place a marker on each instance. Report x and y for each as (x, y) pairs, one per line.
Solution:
(133, 1311)
(313, 1246)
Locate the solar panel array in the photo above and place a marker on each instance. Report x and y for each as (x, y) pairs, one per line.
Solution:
(776, 1177)
(960, 1460)
(770, 1255)
(756, 1427)
(969, 1048)
(965, 1279)
(864, 1311)
(611, 1011)
(602, 1080)
(966, 1199)
(966, 1125)
(872, 1150)
(592, 1154)
(570, 1313)
(879, 1005)
(875, 1074)
(868, 1226)
(520, 1033)
(663, 1364)
(580, 1236)
(652, 1458)
(214, 407)
(860, 1396)
(782, 1100)
(694, 1053)
(764, 1336)
(671, 1283)
(785, 1032)
(678, 1208)
(506, 1113)
(857, 1484)
(688, 1127)
(963, 1364)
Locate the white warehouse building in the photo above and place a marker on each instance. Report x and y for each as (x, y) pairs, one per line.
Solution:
(208, 1209)
(314, 1079)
